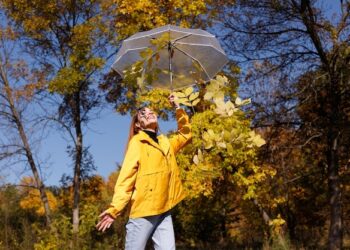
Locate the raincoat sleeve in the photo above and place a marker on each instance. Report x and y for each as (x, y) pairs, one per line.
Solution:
(184, 134)
(126, 180)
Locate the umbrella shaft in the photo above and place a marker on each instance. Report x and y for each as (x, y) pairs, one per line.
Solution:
(170, 67)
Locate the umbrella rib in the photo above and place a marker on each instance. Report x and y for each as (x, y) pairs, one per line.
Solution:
(177, 39)
(193, 59)
(162, 31)
(199, 44)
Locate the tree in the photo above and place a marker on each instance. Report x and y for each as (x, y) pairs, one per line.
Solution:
(290, 39)
(17, 84)
(70, 41)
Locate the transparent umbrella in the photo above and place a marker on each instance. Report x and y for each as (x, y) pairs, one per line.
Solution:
(180, 58)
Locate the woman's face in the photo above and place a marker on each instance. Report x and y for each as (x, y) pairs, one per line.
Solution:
(147, 119)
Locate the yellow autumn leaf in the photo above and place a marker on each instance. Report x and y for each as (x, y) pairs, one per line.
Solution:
(195, 102)
(179, 94)
(257, 140)
(188, 91)
(184, 102)
(193, 96)
(195, 159)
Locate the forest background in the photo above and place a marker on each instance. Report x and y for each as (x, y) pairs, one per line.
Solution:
(268, 166)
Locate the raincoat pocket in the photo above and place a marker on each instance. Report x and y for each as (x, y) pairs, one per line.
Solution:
(157, 188)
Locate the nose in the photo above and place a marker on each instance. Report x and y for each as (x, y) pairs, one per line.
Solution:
(151, 114)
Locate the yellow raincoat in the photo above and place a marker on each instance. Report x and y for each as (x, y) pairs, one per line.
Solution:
(149, 177)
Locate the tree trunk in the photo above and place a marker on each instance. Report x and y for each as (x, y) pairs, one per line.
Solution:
(335, 238)
(264, 214)
(27, 149)
(335, 231)
(336, 226)
(78, 162)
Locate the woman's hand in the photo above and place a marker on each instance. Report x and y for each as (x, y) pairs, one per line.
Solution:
(173, 102)
(105, 222)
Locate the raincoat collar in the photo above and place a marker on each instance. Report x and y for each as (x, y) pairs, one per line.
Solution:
(163, 143)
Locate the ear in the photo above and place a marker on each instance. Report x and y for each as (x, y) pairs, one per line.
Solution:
(138, 125)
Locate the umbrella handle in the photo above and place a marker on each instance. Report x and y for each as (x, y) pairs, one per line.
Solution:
(170, 66)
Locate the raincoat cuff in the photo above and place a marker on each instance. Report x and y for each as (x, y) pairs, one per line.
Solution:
(112, 211)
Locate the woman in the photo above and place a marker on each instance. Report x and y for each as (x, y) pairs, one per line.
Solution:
(150, 180)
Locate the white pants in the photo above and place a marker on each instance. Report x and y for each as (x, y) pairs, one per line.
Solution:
(159, 227)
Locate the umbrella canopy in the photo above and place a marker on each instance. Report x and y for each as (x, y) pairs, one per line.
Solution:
(186, 56)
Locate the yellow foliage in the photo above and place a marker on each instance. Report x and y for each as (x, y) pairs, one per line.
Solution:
(31, 197)
(34, 22)
(52, 26)
(92, 191)
(157, 100)
(140, 15)
(222, 143)
(276, 224)
(32, 201)
(110, 184)
(66, 81)
(187, 97)
(277, 201)
(198, 180)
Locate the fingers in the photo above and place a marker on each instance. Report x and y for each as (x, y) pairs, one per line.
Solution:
(171, 97)
(172, 101)
(100, 224)
(105, 222)
(102, 214)
(106, 225)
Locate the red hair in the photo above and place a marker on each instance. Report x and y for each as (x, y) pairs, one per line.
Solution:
(133, 130)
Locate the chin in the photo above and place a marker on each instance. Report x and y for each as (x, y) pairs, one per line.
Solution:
(153, 121)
